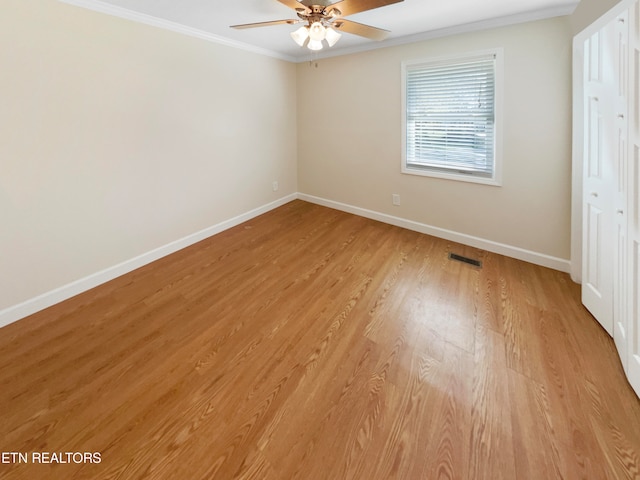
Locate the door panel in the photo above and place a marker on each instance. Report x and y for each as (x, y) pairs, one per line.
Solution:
(633, 206)
(611, 180)
(597, 247)
(620, 266)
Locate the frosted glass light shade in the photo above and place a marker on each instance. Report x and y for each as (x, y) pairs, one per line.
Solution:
(300, 35)
(317, 31)
(314, 45)
(332, 36)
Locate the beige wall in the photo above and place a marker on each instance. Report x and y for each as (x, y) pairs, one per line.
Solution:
(588, 11)
(117, 138)
(349, 139)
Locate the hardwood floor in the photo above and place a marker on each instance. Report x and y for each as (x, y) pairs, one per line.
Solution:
(312, 344)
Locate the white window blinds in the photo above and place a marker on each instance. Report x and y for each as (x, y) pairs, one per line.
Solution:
(450, 115)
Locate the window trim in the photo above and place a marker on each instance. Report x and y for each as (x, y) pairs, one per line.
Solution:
(496, 179)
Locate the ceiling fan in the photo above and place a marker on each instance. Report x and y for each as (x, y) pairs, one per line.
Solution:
(324, 19)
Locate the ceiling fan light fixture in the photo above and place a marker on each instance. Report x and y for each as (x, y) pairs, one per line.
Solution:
(324, 22)
(300, 35)
(317, 31)
(332, 36)
(314, 45)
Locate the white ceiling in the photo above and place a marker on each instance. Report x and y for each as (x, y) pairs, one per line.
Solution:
(409, 20)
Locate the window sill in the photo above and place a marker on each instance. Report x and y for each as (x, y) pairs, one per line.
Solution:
(461, 177)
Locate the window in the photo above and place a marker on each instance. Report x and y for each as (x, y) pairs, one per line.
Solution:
(450, 117)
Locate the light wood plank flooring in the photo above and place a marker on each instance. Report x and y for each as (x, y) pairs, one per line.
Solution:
(313, 344)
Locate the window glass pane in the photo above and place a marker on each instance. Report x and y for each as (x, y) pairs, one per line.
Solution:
(450, 115)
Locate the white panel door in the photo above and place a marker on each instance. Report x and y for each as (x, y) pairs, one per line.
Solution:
(633, 204)
(597, 248)
(611, 178)
(621, 178)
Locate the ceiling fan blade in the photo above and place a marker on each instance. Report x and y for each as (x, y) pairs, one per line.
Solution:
(266, 24)
(349, 7)
(321, 3)
(295, 4)
(355, 28)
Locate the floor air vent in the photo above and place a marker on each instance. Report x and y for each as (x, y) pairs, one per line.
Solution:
(470, 261)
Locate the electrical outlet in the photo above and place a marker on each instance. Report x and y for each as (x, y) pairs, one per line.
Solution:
(395, 198)
(275, 185)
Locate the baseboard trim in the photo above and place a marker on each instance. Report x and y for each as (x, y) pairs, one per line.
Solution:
(481, 243)
(31, 306)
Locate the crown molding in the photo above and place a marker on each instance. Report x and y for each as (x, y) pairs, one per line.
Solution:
(445, 32)
(103, 7)
(121, 12)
